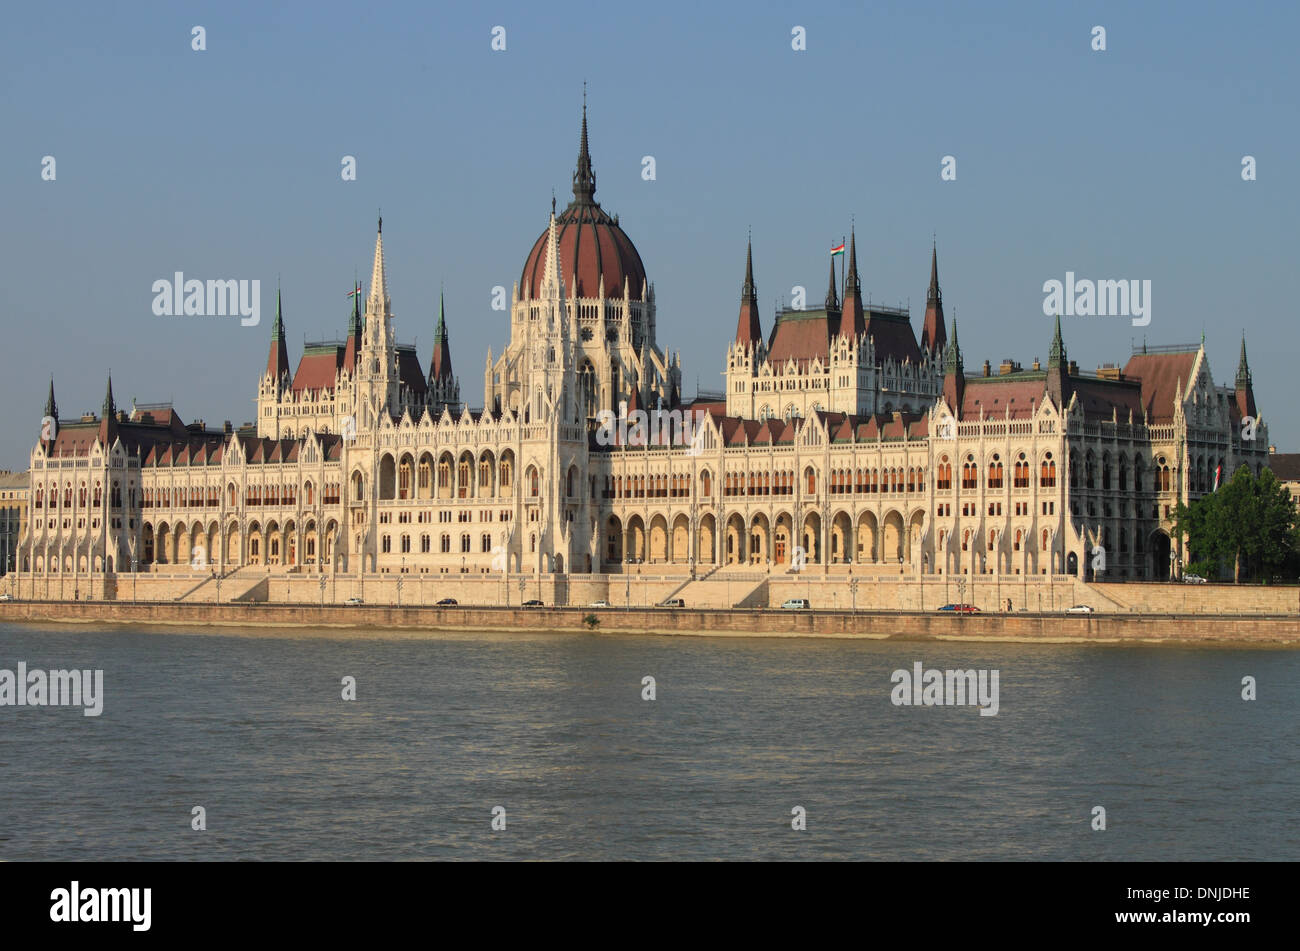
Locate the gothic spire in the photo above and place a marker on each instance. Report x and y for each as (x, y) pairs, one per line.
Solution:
(51, 407)
(933, 294)
(852, 323)
(108, 416)
(378, 274)
(1243, 368)
(954, 373)
(749, 329)
(440, 363)
(1245, 392)
(584, 179)
(933, 334)
(277, 361)
(832, 296)
(952, 361)
(1056, 355)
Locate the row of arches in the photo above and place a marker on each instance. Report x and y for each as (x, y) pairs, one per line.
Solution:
(411, 475)
(764, 540)
(270, 543)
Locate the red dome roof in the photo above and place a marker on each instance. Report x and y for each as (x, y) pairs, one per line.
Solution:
(592, 245)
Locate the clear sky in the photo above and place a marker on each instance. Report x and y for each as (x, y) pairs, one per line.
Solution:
(225, 163)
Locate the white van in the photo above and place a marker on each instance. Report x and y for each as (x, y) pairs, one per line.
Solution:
(796, 604)
(672, 603)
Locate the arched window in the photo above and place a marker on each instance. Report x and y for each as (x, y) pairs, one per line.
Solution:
(812, 481)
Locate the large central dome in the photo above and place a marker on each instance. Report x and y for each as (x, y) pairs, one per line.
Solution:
(592, 245)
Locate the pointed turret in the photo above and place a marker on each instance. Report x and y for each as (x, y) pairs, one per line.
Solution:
(954, 373)
(1245, 392)
(108, 416)
(832, 295)
(378, 275)
(353, 345)
(851, 321)
(440, 362)
(1056, 353)
(52, 412)
(277, 362)
(749, 330)
(1058, 379)
(934, 336)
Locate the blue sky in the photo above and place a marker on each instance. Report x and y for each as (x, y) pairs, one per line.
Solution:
(226, 164)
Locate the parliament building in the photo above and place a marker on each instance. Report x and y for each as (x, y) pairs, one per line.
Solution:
(841, 442)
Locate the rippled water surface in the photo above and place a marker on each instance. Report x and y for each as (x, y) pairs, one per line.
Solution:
(552, 727)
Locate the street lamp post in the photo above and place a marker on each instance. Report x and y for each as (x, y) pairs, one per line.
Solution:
(135, 569)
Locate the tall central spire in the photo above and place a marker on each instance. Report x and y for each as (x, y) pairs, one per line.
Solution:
(378, 276)
(584, 179)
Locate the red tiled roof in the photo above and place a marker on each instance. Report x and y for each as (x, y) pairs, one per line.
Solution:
(994, 394)
(893, 338)
(799, 337)
(1285, 465)
(317, 370)
(409, 371)
(1100, 397)
(1160, 374)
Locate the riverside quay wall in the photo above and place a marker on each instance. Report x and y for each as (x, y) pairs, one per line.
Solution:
(388, 620)
(721, 589)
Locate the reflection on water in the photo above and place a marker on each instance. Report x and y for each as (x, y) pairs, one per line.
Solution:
(553, 728)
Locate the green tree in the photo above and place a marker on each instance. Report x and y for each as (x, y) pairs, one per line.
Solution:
(1248, 525)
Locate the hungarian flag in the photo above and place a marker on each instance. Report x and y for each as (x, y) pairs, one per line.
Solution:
(356, 290)
(1218, 472)
(839, 249)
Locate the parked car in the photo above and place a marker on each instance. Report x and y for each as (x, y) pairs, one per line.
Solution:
(796, 604)
(961, 608)
(353, 601)
(672, 603)
(1193, 579)
(447, 603)
(1080, 609)
(533, 603)
(602, 603)
(6, 596)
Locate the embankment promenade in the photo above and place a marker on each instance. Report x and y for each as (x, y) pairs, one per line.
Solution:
(295, 620)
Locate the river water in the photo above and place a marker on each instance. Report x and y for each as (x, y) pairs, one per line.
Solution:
(553, 728)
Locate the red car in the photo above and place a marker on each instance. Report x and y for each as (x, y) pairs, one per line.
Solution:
(961, 608)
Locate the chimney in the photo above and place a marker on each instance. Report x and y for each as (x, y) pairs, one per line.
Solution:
(227, 428)
(988, 370)
(1074, 368)
(1037, 366)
